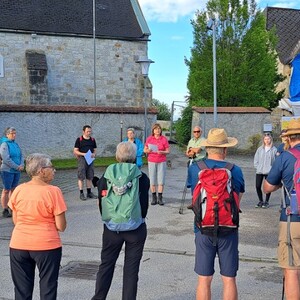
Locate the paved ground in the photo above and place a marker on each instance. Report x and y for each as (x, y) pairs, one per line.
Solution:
(167, 264)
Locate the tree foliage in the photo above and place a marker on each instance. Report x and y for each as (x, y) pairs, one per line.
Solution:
(245, 57)
(246, 60)
(164, 112)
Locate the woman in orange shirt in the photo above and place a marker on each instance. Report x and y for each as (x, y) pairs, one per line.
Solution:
(38, 214)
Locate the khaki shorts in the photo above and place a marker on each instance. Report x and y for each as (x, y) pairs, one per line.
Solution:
(282, 251)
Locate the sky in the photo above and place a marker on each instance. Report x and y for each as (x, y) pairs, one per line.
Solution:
(171, 41)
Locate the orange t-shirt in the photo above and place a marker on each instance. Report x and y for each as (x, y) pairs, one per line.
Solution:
(35, 207)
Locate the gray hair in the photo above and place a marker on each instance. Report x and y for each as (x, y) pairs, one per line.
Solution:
(35, 162)
(130, 129)
(9, 130)
(126, 152)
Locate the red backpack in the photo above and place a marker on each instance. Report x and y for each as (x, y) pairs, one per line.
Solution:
(215, 204)
(294, 193)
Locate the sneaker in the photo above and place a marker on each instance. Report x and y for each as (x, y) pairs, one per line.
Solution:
(265, 205)
(259, 204)
(82, 197)
(92, 196)
(6, 213)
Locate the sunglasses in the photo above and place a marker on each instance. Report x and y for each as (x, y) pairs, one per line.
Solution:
(197, 131)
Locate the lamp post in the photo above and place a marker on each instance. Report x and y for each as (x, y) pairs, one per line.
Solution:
(145, 64)
(172, 115)
(94, 41)
(212, 26)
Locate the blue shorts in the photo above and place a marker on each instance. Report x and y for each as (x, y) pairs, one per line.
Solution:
(10, 180)
(226, 249)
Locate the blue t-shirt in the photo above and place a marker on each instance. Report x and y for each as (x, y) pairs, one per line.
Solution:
(282, 171)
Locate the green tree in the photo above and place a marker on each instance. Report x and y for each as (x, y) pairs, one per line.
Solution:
(164, 112)
(246, 58)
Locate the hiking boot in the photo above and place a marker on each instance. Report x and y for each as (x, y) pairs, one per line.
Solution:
(92, 196)
(190, 206)
(154, 199)
(265, 205)
(6, 213)
(160, 201)
(82, 197)
(259, 204)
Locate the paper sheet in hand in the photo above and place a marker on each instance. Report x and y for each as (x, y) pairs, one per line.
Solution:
(153, 147)
(88, 157)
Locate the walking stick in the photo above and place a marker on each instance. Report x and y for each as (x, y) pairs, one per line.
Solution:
(184, 189)
(183, 198)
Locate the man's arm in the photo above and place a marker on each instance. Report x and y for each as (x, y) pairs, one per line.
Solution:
(269, 188)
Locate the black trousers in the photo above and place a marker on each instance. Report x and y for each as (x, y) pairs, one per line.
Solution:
(258, 183)
(22, 265)
(112, 243)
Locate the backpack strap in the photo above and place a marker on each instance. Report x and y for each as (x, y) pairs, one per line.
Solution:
(202, 165)
(295, 152)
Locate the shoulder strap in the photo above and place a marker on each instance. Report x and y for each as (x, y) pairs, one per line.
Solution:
(202, 165)
(295, 152)
(229, 166)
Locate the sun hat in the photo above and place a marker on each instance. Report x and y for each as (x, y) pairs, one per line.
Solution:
(217, 137)
(293, 127)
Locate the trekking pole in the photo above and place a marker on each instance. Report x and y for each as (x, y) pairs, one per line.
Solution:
(183, 198)
(184, 190)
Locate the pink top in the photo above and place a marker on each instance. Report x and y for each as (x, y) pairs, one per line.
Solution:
(35, 207)
(162, 145)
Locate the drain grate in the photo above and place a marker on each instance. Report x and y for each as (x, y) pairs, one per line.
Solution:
(80, 270)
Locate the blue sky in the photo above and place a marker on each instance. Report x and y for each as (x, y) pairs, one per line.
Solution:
(172, 39)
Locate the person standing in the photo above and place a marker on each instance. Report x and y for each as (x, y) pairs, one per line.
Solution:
(157, 147)
(194, 150)
(225, 246)
(84, 144)
(288, 251)
(139, 145)
(11, 167)
(38, 215)
(134, 239)
(263, 159)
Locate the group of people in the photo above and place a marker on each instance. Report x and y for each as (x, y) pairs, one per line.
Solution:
(38, 210)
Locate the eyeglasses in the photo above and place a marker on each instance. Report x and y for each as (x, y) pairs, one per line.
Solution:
(197, 131)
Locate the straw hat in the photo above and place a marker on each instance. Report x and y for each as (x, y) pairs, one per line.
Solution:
(217, 137)
(293, 127)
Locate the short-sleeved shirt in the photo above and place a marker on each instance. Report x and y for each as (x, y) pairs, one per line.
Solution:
(162, 145)
(195, 143)
(236, 173)
(36, 206)
(84, 145)
(282, 171)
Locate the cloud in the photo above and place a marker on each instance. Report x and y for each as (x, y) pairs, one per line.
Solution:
(177, 37)
(169, 10)
(283, 3)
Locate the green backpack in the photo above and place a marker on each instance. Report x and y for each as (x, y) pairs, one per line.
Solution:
(121, 209)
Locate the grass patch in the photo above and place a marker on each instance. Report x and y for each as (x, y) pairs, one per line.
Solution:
(71, 163)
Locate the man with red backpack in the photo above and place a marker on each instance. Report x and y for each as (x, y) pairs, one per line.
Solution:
(217, 188)
(285, 173)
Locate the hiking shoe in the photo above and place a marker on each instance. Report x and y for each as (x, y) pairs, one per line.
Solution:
(92, 196)
(82, 197)
(154, 199)
(265, 205)
(160, 201)
(190, 206)
(6, 213)
(259, 204)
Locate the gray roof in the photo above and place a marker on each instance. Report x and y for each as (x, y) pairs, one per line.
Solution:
(287, 24)
(122, 19)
